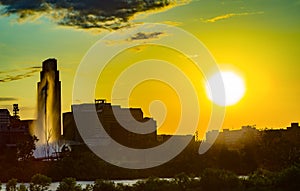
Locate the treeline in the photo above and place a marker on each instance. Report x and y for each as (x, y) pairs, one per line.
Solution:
(209, 180)
(273, 151)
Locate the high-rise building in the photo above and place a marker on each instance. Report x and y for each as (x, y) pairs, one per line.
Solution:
(48, 128)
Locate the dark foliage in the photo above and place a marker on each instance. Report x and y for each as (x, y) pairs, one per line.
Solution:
(273, 152)
(210, 180)
(26, 148)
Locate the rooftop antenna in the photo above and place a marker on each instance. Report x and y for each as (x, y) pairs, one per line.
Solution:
(16, 111)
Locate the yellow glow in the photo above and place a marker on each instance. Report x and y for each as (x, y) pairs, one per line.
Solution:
(146, 92)
(234, 88)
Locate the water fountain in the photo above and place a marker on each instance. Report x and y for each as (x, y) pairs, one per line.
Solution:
(48, 124)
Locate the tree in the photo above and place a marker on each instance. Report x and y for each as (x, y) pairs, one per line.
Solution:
(11, 185)
(289, 178)
(183, 181)
(123, 187)
(218, 180)
(39, 182)
(88, 187)
(100, 185)
(68, 184)
(22, 187)
(260, 179)
(26, 148)
(155, 184)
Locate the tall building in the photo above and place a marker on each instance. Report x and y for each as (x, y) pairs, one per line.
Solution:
(106, 115)
(48, 128)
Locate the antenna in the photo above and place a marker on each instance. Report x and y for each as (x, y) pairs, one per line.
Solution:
(16, 111)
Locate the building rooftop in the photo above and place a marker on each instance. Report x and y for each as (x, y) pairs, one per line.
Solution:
(50, 65)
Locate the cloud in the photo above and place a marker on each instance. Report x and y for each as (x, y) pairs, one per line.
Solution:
(13, 75)
(139, 36)
(145, 36)
(227, 16)
(8, 99)
(86, 14)
(173, 23)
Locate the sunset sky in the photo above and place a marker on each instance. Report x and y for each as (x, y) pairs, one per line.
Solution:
(258, 40)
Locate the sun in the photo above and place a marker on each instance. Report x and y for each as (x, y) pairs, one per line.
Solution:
(229, 94)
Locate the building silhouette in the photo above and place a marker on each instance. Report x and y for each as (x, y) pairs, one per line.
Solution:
(233, 138)
(12, 130)
(4, 118)
(48, 128)
(105, 113)
(236, 139)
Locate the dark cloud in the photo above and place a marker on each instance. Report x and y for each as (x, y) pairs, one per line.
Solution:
(13, 75)
(8, 99)
(108, 14)
(145, 36)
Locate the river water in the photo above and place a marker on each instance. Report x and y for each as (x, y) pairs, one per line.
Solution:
(54, 185)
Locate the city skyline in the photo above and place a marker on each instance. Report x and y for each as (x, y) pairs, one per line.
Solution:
(256, 40)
